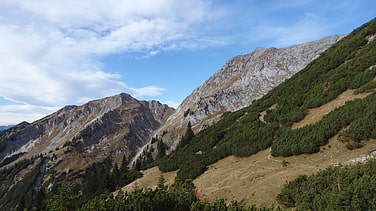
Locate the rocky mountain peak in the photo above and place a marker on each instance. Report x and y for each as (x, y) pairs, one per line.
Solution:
(241, 80)
(160, 111)
(109, 127)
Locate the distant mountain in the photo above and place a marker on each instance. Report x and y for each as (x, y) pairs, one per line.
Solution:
(111, 126)
(5, 127)
(240, 81)
(76, 137)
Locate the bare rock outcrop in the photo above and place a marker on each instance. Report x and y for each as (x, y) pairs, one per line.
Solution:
(109, 127)
(241, 80)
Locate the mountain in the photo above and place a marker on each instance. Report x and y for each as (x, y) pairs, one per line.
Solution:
(111, 126)
(76, 137)
(240, 81)
(5, 127)
(321, 117)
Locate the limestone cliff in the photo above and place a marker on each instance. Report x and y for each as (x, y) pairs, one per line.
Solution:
(241, 80)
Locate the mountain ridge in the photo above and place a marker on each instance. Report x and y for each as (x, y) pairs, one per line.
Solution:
(5, 127)
(265, 136)
(77, 140)
(87, 124)
(241, 80)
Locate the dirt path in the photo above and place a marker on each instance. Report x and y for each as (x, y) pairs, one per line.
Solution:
(270, 157)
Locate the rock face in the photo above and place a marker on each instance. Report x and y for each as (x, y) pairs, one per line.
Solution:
(77, 136)
(241, 80)
(81, 135)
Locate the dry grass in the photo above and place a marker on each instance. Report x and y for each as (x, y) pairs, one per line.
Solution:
(258, 179)
(315, 114)
(150, 179)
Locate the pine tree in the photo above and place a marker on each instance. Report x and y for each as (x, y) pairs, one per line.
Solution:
(116, 176)
(161, 183)
(64, 199)
(161, 149)
(148, 157)
(137, 165)
(188, 136)
(124, 166)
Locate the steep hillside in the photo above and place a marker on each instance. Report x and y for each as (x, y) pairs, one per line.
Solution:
(259, 178)
(328, 107)
(241, 80)
(75, 137)
(322, 116)
(348, 64)
(101, 128)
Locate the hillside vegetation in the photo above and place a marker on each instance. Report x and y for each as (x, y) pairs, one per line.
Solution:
(348, 64)
(340, 188)
(268, 123)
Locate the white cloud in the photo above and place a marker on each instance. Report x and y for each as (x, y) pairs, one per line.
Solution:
(172, 104)
(147, 91)
(14, 114)
(15, 118)
(50, 48)
(26, 108)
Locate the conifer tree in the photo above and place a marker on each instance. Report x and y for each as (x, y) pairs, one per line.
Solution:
(161, 183)
(188, 136)
(124, 166)
(161, 149)
(116, 175)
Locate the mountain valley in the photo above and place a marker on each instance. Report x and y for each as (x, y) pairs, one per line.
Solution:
(247, 134)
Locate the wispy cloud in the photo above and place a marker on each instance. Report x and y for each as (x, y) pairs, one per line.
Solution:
(50, 48)
(13, 114)
(15, 118)
(172, 104)
(147, 91)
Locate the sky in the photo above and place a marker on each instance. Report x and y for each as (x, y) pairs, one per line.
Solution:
(55, 53)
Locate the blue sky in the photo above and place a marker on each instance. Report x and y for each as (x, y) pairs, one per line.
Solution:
(54, 53)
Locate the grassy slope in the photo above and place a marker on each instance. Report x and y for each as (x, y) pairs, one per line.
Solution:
(258, 179)
(348, 64)
(325, 84)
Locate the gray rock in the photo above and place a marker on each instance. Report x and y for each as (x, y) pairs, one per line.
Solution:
(241, 80)
(110, 127)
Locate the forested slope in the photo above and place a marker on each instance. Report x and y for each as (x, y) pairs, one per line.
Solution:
(348, 64)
